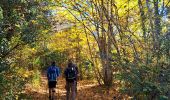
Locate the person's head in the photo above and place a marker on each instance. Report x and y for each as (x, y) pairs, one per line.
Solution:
(53, 63)
(70, 62)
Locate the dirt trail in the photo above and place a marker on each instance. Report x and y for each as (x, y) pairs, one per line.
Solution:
(87, 90)
(42, 92)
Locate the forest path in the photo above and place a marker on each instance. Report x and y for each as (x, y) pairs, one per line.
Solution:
(87, 90)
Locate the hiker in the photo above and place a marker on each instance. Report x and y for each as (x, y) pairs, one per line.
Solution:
(71, 73)
(52, 75)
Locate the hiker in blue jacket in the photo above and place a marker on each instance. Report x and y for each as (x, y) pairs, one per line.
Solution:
(52, 75)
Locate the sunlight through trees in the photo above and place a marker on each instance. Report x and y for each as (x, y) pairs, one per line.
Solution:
(115, 43)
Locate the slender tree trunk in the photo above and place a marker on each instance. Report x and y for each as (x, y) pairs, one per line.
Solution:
(142, 15)
(149, 11)
(157, 29)
(106, 39)
(157, 18)
(93, 60)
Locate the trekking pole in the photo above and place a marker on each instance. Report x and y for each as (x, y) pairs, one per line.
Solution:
(56, 91)
(58, 94)
(46, 93)
(47, 96)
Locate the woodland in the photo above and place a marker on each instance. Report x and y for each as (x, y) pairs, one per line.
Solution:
(121, 48)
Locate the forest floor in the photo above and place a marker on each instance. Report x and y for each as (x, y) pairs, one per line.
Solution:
(87, 90)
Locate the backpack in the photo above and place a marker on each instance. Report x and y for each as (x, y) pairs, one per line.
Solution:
(52, 74)
(71, 74)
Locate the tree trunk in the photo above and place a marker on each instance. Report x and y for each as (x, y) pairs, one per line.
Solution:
(157, 30)
(142, 15)
(157, 24)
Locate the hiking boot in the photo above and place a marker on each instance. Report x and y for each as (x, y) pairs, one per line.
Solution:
(53, 91)
(49, 97)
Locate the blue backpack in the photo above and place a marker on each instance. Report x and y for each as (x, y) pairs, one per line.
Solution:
(52, 73)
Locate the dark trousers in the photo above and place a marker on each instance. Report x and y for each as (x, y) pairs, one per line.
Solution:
(71, 90)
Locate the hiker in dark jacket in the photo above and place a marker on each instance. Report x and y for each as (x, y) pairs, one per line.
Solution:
(71, 73)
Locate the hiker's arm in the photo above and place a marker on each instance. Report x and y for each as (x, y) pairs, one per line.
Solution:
(77, 70)
(65, 72)
(47, 73)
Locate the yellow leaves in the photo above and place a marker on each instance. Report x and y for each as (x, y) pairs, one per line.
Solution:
(29, 51)
(32, 50)
(33, 21)
(17, 25)
(164, 29)
(39, 16)
(126, 7)
(45, 31)
(16, 97)
(24, 73)
(125, 3)
(64, 14)
(71, 41)
(14, 41)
